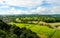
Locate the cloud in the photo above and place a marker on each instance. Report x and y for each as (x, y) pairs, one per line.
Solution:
(24, 3)
(41, 10)
(44, 10)
(38, 10)
(48, 7)
(55, 10)
(4, 6)
(14, 11)
(53, 2)
(1, 1)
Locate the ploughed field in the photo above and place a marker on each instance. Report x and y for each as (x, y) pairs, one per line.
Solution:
(42, 31)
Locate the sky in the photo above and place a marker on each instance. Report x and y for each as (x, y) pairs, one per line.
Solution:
(29, 7)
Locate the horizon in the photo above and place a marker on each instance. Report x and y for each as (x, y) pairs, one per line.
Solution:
(29, 14)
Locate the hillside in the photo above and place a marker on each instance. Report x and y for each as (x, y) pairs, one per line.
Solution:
(9, 31)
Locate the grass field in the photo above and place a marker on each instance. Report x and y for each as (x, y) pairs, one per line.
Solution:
(56, 34)
(43, 31)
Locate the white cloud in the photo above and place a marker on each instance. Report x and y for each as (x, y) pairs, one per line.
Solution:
(1, 1)
(14, 11)
(55, 10)
(53, 2)
(4, 6)
(23, 3)
(42, 10)
(29, 4)
(39, 10)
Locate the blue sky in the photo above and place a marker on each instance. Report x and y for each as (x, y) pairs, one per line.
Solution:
(29, 6)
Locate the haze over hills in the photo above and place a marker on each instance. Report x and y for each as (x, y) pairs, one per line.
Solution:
(30, 14)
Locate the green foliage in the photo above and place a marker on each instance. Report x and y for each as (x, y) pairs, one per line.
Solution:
(27, 18)
(19, 31)
(12, 31)
(2, 34)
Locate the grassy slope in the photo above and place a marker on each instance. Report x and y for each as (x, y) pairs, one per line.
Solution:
(43, 30)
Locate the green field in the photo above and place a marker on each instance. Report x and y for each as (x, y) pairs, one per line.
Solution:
(56, 34)
(45, 31)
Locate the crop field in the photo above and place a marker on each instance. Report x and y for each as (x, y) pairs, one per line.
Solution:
(43, 31)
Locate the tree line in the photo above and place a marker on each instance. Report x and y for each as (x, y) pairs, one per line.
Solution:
(25, 18)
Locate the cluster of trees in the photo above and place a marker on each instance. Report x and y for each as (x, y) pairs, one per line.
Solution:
(30, 19)
(12, 31)
(26, 18)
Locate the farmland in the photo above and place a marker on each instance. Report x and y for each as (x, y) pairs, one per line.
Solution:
(45, 26)
(40, 30)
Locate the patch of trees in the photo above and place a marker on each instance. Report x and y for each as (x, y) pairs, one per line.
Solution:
(26, 18)
(12, 31)
(38, 19)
